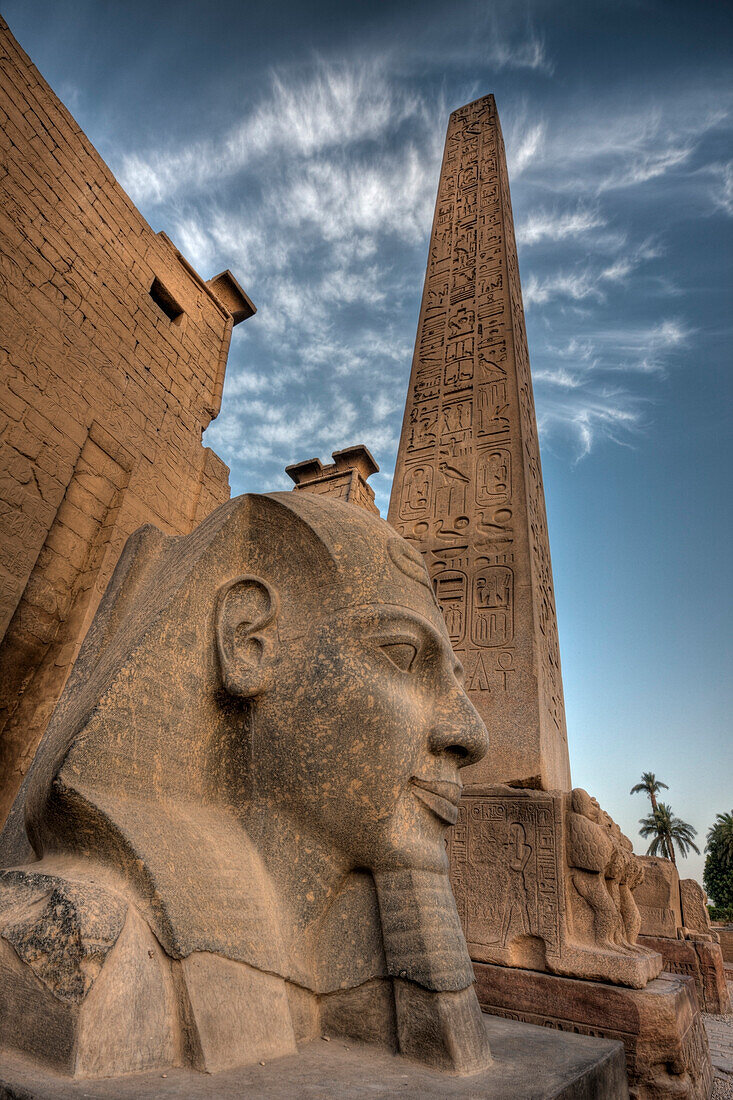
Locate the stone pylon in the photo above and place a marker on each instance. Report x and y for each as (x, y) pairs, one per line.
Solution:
(468, 482)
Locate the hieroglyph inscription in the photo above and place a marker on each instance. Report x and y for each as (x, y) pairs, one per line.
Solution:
(509, 849)
(456, 448)
(468, 488)
(458, 389)
(548, 649)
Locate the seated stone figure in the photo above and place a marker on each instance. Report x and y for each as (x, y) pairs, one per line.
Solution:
(232, 837)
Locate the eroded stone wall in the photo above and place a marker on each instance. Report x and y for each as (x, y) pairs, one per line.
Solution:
(105, 390)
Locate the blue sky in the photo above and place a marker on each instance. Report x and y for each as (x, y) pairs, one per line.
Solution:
(299, 145)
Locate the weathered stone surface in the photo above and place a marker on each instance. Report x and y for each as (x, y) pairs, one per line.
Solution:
(675, 921)
(238, 810)
(345, 478)
(701, 960)
(695, 915)
(62, 930)
(113, 352)
(468, 487)
(531, 1063)
(543, 881)
(660, 1026)
(725, 934)
(658, 898)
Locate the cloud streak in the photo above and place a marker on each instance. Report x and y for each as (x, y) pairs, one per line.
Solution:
(325, 108)
(543, 225)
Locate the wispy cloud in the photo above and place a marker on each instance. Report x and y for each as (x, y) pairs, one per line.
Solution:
(545, 225)
(579, 396)
(562, 284)
(489, 37)
(604, 147)
(608, 415)
(324, 108)
(587, 281)
(642, 349)
(527, 52)
(558, 376)
(524, 142)
(721, 191)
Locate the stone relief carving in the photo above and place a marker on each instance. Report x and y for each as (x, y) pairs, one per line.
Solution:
(543, 881)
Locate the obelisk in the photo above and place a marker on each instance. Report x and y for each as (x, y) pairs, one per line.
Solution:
(468, 482)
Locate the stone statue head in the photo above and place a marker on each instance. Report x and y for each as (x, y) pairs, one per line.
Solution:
(258, 753)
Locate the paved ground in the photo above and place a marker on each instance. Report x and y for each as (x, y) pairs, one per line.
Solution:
(720, 1037)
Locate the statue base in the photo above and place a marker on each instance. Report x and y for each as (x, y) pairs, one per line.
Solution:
(530, 1063)
(661, 1028)
(700, 960)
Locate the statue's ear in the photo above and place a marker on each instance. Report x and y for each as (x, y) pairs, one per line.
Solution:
(246, 635)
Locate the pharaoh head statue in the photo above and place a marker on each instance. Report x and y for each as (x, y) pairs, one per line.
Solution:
(239, 807)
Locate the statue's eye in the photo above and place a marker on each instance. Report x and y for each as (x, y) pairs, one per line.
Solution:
(401, 654)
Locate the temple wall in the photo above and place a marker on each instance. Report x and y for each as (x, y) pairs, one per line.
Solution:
(113, 356)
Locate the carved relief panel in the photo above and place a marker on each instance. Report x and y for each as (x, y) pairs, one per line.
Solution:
(510, 847)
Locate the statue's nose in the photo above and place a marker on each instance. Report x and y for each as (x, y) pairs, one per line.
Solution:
(459, 731)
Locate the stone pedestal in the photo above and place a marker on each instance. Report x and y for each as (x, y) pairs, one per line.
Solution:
(530, 1063)
(675, 922)
(660, 1026)
(700, 960)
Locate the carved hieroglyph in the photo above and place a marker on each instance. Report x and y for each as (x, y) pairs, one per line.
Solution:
(468, 484)
(543, 881)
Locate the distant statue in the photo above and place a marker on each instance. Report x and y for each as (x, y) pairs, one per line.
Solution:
(232, 837)
(604, 872)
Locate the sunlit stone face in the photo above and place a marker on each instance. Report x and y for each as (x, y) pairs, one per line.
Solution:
(363, 736)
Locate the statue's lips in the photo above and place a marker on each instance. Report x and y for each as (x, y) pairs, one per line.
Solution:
(440, 796)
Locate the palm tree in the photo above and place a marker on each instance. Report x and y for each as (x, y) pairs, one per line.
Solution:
(720, 836)
(666, 830)
(652, 786)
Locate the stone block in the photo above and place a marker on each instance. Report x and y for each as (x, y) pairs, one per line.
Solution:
(695, 914)
(725, 934)
(661, 1028)
(345, 478)
(657, 897)
(701, 960)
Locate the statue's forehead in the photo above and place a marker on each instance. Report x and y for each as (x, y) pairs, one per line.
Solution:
(360, 561)
(419, 614)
